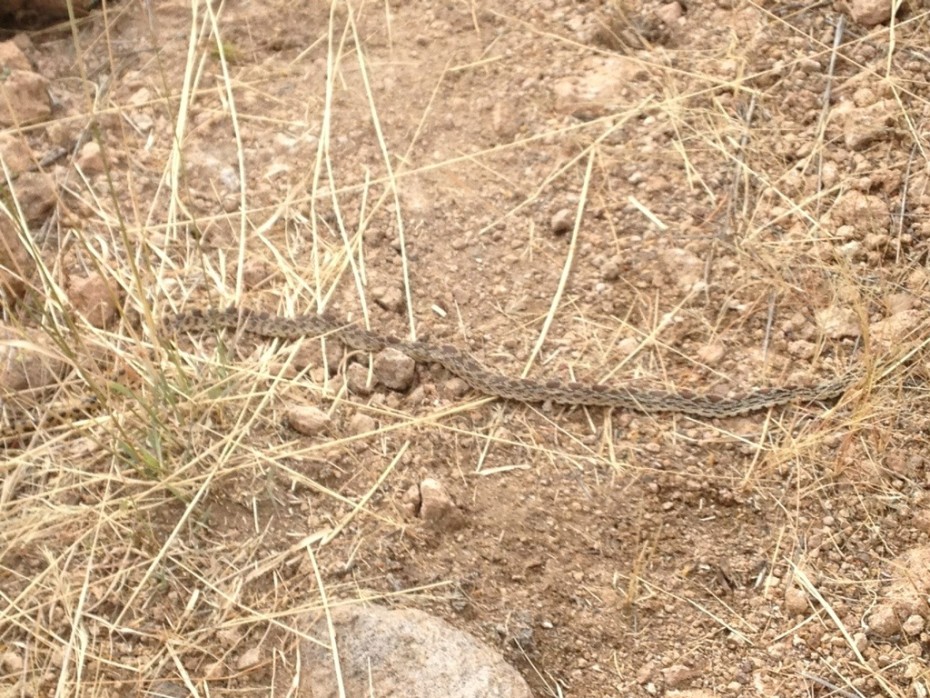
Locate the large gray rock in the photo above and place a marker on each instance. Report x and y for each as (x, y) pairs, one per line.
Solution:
(404, 654)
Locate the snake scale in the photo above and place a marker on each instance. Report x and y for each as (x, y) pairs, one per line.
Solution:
(493, 383)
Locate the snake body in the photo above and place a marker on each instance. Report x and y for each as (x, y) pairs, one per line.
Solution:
(493, 383)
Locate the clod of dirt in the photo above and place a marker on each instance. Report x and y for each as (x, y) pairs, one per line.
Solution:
(404, 653)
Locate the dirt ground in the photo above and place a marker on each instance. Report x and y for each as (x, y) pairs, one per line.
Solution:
(714, 197)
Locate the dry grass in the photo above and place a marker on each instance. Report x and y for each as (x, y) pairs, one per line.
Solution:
(176, 525)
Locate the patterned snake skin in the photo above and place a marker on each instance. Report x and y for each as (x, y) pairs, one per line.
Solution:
(489, 382)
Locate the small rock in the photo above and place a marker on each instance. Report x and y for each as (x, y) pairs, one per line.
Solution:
(307, 419)
(796, 601)
(418, 396)
(94, 299)
(437, 659)
(361, 424)
(900, 302)
(166, 689)
(215, 670)
(711, 354)
(437, 508)
(16, 266)
(249, 658)
(883, 621)
(22, 363)
(669, 13)
(140, 97)
(896, 328)
(390, 298)
(12, 56)
(837, 322)
(914, 625)
(612, 269)
(562, 221)
(598, 86)
(23, 98)
(11, 662)
(456, 388)
(394, 369)
(90, 159)
(863, 212)
(256, 273)
(868, 13)
(866, 125)
(16, 153)
(921, 521)
(802, 349)
(357, 380)
(678, 675)
(627, 346)
(410, 501)
(36, 194)
(646, 673)
(684, 267)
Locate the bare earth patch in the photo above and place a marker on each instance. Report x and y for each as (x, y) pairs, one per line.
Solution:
(708, 198)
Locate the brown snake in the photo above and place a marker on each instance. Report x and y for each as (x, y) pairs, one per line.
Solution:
(458, 362)
(489, 382)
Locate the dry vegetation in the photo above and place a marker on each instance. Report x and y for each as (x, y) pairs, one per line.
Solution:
(737, 199)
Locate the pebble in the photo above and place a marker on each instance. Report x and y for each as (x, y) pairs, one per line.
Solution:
(394, 369)
(307, 419)
(562, 221)
(357, 380)
(796, 601)
(361, 424)
(94, 298)
(437, 508)
(883, 621)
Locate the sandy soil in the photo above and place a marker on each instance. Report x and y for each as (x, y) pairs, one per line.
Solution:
(583, 191)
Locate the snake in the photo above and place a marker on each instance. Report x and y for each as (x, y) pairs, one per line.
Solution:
(493, 383)
(462, 364)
